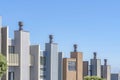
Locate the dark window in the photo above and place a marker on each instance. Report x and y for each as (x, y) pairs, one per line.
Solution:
(43, 76)
(42, 60)
(11, 49)
(43, 69)
(11, 76)
(71, 65)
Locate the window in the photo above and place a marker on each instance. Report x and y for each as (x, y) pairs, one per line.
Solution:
(43, 69)
(42, 60)
(43, 76)
(71, 65)
(11, 49)
(11, 76)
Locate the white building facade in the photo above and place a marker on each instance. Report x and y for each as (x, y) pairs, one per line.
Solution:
(95, 66)
(51, 62)
(23, 59)
(106, 71)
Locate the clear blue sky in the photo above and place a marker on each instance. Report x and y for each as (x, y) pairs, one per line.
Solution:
(92, 24)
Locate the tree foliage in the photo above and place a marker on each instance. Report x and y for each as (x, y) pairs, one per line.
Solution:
(92, 78)
(3, 64)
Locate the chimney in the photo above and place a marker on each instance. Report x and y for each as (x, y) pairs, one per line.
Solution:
(50, 39)
(75, 47)
(20, 23)
(95, 54)
(105, 62)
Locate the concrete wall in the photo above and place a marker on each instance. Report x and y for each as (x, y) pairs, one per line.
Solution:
(64, 68)
(95, 67)
(52, 61)
(4, 37)
(85, 68)
(106, 72)
(4, 47)
(17, 42)
(35, 68)
(22, 47)
(60, 65)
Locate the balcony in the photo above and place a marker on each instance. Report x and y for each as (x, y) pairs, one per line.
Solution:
(13, 59)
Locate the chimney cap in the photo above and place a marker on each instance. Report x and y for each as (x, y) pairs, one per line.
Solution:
(51, 38)
(20, 23)
(95, 54)
(105, 61)
(75, 47)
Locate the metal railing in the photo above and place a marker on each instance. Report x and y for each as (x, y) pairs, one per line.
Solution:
(13, 59)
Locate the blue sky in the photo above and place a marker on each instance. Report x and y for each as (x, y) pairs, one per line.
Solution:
(92, 24)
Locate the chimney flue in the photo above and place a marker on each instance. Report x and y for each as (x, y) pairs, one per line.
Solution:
(51, 38)
(95, 54)
(75, 47)
(20, 23)
(105, 62)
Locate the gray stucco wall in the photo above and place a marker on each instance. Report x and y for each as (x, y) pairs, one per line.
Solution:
(95, 67)
(4, 46)
(17, 42)
(4, 37)
(60, 65)
(106, 72)
(35, 68)
(22, 47)
(52, 61)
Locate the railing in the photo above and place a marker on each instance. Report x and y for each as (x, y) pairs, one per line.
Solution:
(13, 59)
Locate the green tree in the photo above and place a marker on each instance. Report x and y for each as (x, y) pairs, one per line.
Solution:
(92, 78)
(3, 64)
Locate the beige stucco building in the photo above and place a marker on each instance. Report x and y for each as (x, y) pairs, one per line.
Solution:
(73, 66)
